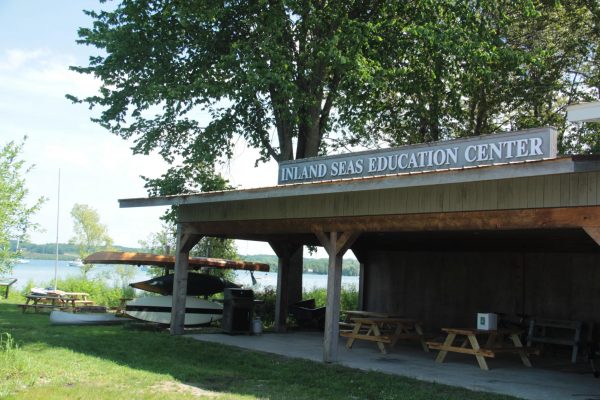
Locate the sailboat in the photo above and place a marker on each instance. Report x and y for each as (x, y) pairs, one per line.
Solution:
(76, 263)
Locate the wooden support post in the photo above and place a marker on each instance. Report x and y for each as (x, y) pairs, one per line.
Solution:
(336, 244)
(362, 284)
(295, 266)
(185, 242)
(593, 232)
(286, 253)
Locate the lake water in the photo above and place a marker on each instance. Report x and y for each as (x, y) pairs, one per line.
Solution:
(41, 273)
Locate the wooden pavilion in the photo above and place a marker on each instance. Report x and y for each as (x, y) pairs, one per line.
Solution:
(517, 236)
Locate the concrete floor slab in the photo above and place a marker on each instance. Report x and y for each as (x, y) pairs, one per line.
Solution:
(547, 380)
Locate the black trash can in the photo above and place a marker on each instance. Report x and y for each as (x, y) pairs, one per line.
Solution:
(238, 310)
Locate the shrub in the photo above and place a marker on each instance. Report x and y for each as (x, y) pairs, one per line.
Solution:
(266, 311)
(348, 297)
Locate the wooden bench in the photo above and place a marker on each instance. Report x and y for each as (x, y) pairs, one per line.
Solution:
(36, 307)
(383, 331)
(83, 303)
(554, 331)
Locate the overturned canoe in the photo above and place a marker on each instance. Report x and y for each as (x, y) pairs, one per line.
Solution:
(197, 284)
(157, 260)
(158, 309)
(66, 318)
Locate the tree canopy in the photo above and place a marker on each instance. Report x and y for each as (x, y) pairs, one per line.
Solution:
(15, 212)
(297, 78)
(454, 69)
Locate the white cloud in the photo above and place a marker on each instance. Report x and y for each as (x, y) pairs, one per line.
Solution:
(40, 72)
(15, 59)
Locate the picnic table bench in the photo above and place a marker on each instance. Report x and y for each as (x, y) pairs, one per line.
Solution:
(384, 330)
(55, 300)
(557, 332)
(495, 344)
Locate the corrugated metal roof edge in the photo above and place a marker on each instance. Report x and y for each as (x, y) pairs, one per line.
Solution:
(287, 190)
(565, 164)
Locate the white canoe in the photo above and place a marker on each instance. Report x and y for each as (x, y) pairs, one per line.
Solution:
(158, 309)
(66, 318)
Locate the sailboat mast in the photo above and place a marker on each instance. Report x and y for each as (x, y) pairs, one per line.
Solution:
(57, 219)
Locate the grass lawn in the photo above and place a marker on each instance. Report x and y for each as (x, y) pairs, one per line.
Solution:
(116, 362)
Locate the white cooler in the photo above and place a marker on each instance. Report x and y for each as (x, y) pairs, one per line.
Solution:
(487, 321)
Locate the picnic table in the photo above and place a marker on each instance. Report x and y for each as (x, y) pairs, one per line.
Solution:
(55, 299)
(361, 313)
(7, 283)
(384, 330)
(495, 343)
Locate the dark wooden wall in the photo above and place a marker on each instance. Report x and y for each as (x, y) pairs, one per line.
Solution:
(447, 289)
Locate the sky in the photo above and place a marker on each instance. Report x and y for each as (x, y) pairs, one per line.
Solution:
(37, 46)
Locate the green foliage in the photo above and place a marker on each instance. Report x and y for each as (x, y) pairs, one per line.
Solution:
(348, 297)
(15, 213)
(439, 70)
(254, 68)
(335, 74)
(266, 311)
(164, 242)
(90, 234)
(15, 365)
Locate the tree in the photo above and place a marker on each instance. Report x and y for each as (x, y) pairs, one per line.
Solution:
(296, 78)
(163, 242)
(90, 234)
(15, 213)
(473, 68)
(270, 72)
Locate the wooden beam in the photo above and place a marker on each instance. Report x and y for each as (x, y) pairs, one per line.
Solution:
(185, 242)
(540, 218)
(336, 245)
(345, 241)
(593, 232)
(324, 239)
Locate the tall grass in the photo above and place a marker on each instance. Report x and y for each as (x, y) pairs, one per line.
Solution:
(15, 366)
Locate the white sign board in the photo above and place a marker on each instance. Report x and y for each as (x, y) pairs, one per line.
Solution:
(533, 144)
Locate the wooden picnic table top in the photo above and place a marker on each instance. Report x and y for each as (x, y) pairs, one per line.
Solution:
(374, 314)
(383, 320)
(473, 331)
